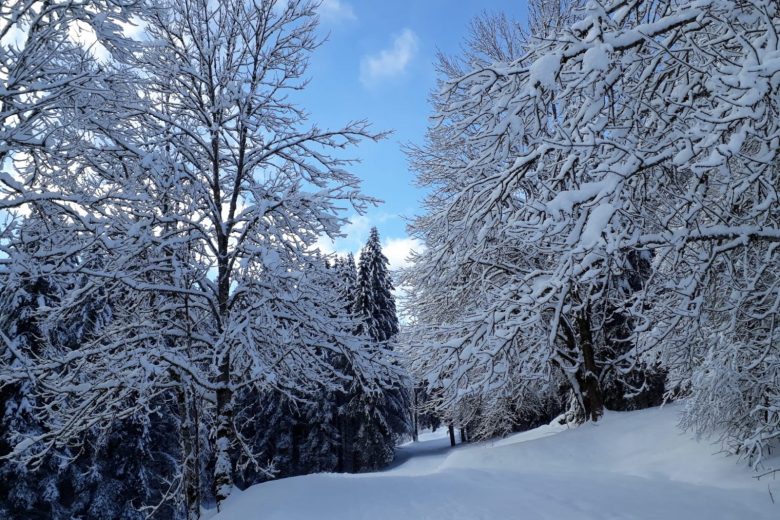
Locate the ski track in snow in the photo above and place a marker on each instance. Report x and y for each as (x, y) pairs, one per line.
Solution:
(634, 465)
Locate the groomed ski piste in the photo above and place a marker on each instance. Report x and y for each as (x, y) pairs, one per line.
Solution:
(629, 465)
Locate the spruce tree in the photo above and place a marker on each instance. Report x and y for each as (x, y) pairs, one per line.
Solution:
(382, 417)
(346, 418)
(375, 302)
(113, 472)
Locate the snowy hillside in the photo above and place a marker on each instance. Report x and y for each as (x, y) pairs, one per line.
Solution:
(634, 465)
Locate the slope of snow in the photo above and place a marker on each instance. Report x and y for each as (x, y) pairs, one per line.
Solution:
(633, 465)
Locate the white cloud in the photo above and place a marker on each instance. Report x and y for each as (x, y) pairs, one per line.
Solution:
(336, 11)
(329, 247)
(397, 250)
(356, 232)
(325, 245)
(389, 63)
(358, 228)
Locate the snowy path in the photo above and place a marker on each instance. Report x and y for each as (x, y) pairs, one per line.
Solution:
(629, 466)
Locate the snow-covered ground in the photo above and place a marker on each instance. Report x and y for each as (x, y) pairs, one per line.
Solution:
(635, 465)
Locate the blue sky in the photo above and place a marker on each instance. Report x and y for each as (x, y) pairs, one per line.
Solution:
(378, 64)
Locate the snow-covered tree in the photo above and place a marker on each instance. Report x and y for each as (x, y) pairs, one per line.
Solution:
(42, 66)
(195, 189)
(461, 287)
(110, 473)
(380, 418)
(638, 128)
(375, 303)
(224, 72)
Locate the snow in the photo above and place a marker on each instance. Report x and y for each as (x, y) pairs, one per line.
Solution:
(544, 71)
(596, 58)
(634, 465)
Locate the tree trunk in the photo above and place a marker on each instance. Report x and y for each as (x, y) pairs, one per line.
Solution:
(190, 459)
(587, 375)
(451, 429)
(223, 467)
(190, 431)
(342, 427)
(415, 420)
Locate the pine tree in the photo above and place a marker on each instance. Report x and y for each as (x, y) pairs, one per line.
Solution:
(348, 277)
(375, 301)
(112, 474)
(382, 417)
(345, 422)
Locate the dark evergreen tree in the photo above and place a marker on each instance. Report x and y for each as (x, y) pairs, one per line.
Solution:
(287, 432)
(375, 303)
(27, 492)
(114, 474)
(345, 418)
(384, 416)
(348, 275)
(348, 427)
(122, 472)
(285, 436)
